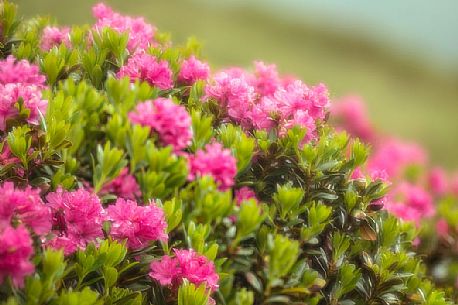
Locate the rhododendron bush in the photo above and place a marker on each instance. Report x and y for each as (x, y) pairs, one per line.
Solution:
(132, 173)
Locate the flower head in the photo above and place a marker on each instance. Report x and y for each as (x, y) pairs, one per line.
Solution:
(410, 202)
(78, 215)
(171, 121)
(54, 36)
(193, 70)
(140, 225)
(146, 67)
(187, 264)
(215, 161)
(244, 194)
(140, 33)
(25, 206)
(20, 72)
(124, 186)
(15, 254)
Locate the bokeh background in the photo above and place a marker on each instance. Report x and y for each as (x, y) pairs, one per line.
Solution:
(400, 56)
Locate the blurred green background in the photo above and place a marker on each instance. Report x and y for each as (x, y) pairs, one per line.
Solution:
(400, 56)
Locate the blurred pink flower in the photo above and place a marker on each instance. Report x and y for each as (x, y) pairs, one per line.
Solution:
(32, 100)
(171, 121)
(193, 70)
(215, 161)
(25, 206)
(187, 264)
(442, 227)
(15, 254)
(124, 186)
(146, 67)
(54, 36)
(351, 115)
(437, 180)
(393, 156)
(243, 194)
(410, 202)
(140, 33)
(140, 225)
(14, 71)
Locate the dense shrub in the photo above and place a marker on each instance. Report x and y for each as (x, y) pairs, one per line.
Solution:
(131, 174)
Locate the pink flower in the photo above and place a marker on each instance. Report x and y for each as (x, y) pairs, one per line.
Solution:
(393, 156)
(140, 33)
(351, 115)
(454, 184)
(78, 216)
(234, 93)
(15, 254)
(54, 36)
(300, 119)
(32, 100)
(437, 180)
(193, 70)
(410, 202)
(215, 161)
(146, 67)
(187, 264)
(140, 225)
(267, 79)
(244, 194)
(20, 72)
(24, 206)
(442, 227)
(124, 186)
(171, 121)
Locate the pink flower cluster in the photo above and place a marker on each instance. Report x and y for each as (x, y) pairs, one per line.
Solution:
(187, 264)
(171, 121)
(24, 206)
(352, 116)
(244, 194)
(124, 186)
(394, 156)
(20, 80)
(410, 202)
(54, 36)
(263, 100)
(146, 67)
(216, 162)
(193, 70)
(139, 225)
(15, 254)
(140, 33)
(78, 217)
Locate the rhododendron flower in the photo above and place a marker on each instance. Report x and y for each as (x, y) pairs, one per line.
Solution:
(78, 216)
(193, 70)
(437, 180)
(20, 72)
(442, 227)
(124, 186)
(454, 184)
(54, 36)
(32, 100)
(215, 161)
(243, 194)
(394, 156)
(140, 33)
(140, 225)
(300, 119)
(15, 254)
(146, 67)
(410, 202)
(25, 206)
(187, 264)
(267, 80)
(351, 115)
(171, 121)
